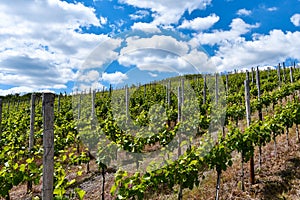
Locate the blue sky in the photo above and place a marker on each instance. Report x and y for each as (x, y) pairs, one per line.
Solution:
(52, 45)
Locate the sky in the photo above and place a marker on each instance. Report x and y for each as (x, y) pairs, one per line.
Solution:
(57, 46)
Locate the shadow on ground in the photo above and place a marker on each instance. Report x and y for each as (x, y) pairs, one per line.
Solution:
(275, 189)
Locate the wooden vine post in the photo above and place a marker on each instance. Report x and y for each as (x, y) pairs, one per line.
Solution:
(252, 74)
(227, 85)
(223, 134)
(217, 89)
(291, 75)
(93, 124)
(79, 105)
(38, 101)
(248, 118)
(31, 134)
(179, 118)
(58, 103)
(18, 103)
(292, 80)
(93, 93)
(218, 184)
(179, 136)
(247, 75)
(48, 143)
(293, 96)
(32, 116)
(110, 90)
(169, 94)
(284, 77)
(182, 91)
(168, 99)
(127, 102)
(204, 90)
(103, 89)
(8, 104)
(260, 116)
(278, 73)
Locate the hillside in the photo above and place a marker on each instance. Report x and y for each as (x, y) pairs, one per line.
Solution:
(204, 118)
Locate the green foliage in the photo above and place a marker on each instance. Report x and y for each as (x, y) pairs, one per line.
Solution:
(73, 138)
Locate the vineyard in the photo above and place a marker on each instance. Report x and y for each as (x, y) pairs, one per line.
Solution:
(160, 136)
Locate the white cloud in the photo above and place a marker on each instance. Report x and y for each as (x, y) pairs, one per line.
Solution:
(150, 60)
(271, 9)
(266, 67)
(98, 59)
(163, 54)
(33, 72)
(261, 68)
(200, 23)
(159, 42)
(140, 14)
(103, 20)
(23, 90)
(119, 7)
(45, 33)
(238, 28)
(261, 50)
(244, 12)
(168, 11)
(87, 87)
(146, 27)
(153, 74)
(200, 61)
(90, 76)
(295, 19)
(154, 61)
(114, 78)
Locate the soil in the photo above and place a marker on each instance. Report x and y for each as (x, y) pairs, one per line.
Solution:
(278, 178)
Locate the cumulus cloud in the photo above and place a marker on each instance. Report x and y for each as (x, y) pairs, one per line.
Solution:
(146, 27)
(140, 14)
(238, 28)
(89, 76)
(160, 42)
(261, 50)
(161, 53)
(161, 61)
(168, 11)
(151, 60)
(103, 20)
(23, 70)
(200, 23)
(156, 53)
(244, 12)
(45, 33)
(114, 78)
(153, 74)
(295, 19)
(98, 59)
(271, 9)
(200, 61)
